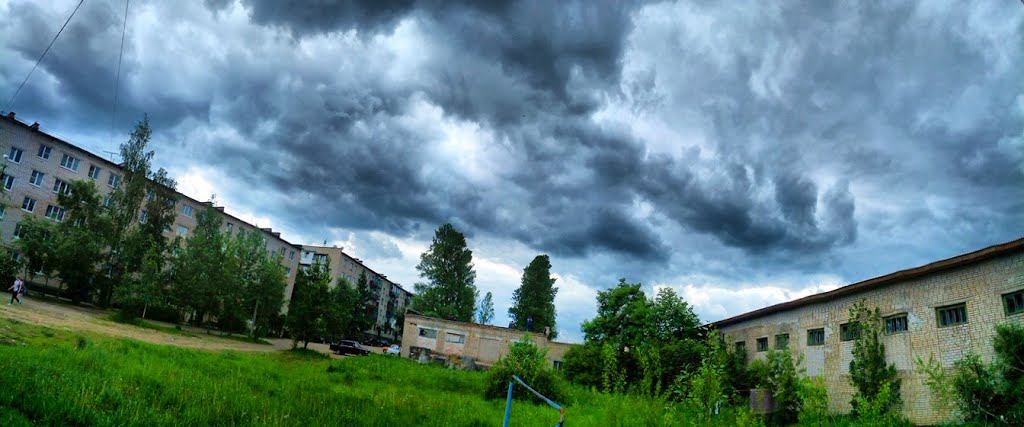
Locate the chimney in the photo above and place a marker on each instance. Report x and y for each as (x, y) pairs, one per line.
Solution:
(35, 126)
(10, 115)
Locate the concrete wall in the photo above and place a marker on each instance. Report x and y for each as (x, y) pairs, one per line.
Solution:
(14, 133)
(485, 344)
(980, 285)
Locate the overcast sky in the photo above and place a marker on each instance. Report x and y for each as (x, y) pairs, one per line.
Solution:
(743, 153)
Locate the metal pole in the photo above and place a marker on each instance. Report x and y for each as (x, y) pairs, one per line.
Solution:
(508, 403)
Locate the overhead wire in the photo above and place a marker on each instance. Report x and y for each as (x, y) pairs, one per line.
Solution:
(6, 106)
(117, 78)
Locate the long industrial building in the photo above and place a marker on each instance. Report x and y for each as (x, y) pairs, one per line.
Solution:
(39, 165)
(946, 309)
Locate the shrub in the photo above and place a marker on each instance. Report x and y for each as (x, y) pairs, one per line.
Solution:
(877, 410)
(527, 361)
(582, 364)
(784, 384)
(868, 370)
(813, 402)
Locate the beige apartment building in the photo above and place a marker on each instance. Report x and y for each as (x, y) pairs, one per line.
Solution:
(39, 165)
(945, 309)
(391, 298)
(468, 344)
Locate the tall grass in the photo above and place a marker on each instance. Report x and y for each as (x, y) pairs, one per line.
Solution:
(62, 378)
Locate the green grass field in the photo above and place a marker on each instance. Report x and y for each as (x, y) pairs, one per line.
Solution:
(63, 378)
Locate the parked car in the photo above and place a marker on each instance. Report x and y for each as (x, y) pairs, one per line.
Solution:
(349, 347)
(394, 349)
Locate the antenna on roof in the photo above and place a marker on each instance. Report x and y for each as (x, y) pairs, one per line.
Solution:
(111, 153)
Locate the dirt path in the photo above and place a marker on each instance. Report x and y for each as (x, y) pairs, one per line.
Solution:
(62, 316)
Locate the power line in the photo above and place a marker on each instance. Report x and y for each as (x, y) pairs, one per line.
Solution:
(117, 79)
(41, 56)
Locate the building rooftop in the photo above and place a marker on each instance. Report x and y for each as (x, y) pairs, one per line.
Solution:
(881, 281)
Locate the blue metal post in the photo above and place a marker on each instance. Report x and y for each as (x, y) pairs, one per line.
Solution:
(508, 403)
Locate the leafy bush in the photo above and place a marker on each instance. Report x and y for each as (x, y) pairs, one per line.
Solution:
(877, 410)
(783, 382)
(527, 361)
(582, 364)
(868, 370)
(813, 401)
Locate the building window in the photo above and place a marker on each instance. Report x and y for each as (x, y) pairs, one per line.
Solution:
(741, 347)
(44, 151)
(557, 364)
(94, 172)
(896, 324)
(291, 255)
(428, 333)
(37, 178)
(815, 337)
(28, 205)
(114, 180)
(781, 341)
(230, 227)
(320, 259)
(182, 230)
(762, 344)
(287, 271)
(455, 338)
(8, 182)
(846, 332)
(69, 162)
(18, 229)
(143, 216)
(55, 213)
(1013, 302)
(108, 201)
(61, 187)
(187, 211)
(951, 315)
(15, 155)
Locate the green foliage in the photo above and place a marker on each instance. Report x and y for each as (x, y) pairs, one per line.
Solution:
(533, 303)
(623, 315)
(783, 381)
(145, 289)
(527, 361)
(363, 307)
(308, 316)
(199, 270)
(813, 402)
(868, 370)
(705, 389)
(672, 317)
(8, 267)
(984, 393)
(485, 313)
(81, 239)
(877, 410)
(339, 312)
(450, 292)
(258, 283)
(613, 377)
(582, 364)
(38, 244)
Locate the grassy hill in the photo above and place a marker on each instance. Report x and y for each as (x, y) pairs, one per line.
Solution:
(61, 377)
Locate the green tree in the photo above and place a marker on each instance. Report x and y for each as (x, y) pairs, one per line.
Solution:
(706, 388)
(485, 313)
(533, 304)
(38, 246)
(308, 317)
(363, 307)
(672, 318)
(266, 295)
(146, 289)
(623, 316)
(80, 238)
(126, 203)
(199, 269)
(449, 292)
(868, 370)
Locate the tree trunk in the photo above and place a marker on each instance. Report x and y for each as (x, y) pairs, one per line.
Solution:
(306, 345)
(144, 307)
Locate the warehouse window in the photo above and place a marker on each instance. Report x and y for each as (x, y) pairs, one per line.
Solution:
(781, 341)
(896, 324)
(846, 332)
(816, 337)
(741, 347)
(762, 344)
(428, 333)
(951, 315)
(1013, 302)
(455, 338)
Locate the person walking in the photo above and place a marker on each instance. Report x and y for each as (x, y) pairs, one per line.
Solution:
(17, 290)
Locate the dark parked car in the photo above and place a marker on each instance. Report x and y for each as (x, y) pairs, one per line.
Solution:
(349, 347)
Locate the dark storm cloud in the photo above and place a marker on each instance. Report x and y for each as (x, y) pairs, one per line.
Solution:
(805, 109)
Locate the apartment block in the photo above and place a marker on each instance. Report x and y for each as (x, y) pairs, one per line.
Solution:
(39, 165)
(945, 309)
(468, 344)
(391, 298)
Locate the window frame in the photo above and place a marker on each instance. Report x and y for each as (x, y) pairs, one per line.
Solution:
(812, 334)
(10, 155)
(75, 162)
(94, 172)
(897, 316)
(782, 338)
(55, 213)
(7, 182)
(947, 308)
(762, 344)
(61, 186)
(178, 229)
(426, 332)
(460, 338)
(740, 346)
(113, 180)
(846, 333)
(31, 206)
(1019, 304)
(36, 176)
(189, 208)
(44, 152)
